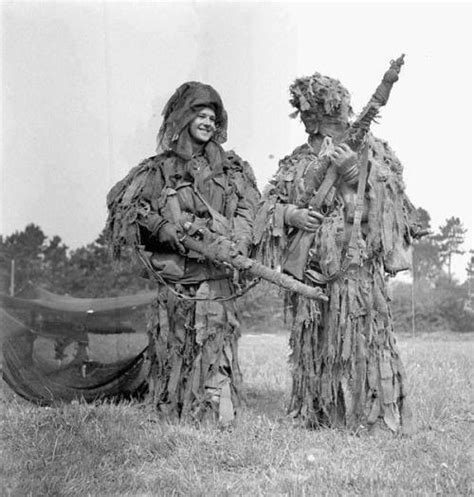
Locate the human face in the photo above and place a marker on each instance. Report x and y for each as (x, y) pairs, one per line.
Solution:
(203, 126)
(315, 123)
(311, 121)
(332, 129)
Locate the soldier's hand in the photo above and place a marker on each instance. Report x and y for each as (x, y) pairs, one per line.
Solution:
(169, 235)
(303, 219)
(240, 247)
(343, 157)
(144, 209)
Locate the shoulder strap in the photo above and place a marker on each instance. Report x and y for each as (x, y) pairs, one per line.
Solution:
(221, 224)
(352, 252)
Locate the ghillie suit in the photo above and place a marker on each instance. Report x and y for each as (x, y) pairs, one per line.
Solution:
(193, 329)
(345, 365)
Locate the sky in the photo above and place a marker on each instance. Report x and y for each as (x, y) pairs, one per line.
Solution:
(84, 83)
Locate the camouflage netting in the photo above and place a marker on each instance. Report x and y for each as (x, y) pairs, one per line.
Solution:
(58, 348)
(346, 368)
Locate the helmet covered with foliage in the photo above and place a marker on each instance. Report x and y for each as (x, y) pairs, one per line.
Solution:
(320, 98)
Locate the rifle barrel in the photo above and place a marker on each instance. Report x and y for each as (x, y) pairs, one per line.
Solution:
(218, 250)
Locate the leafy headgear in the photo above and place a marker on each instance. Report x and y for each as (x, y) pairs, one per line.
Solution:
(321, 96)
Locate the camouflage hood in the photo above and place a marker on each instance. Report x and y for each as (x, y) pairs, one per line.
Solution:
(181, 109)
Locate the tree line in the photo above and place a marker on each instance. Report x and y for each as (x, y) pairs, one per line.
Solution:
(434, 298)
(88, 271)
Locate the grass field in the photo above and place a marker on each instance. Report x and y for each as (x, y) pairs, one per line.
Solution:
(123, 450)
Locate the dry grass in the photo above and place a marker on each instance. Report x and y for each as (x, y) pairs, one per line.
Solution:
(123, 450)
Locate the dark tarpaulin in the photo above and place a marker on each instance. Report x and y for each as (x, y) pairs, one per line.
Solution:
(61, 348)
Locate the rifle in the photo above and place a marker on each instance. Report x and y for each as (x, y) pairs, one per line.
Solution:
(354, 136)
(218, 248)
(214, 246)
(199, 239)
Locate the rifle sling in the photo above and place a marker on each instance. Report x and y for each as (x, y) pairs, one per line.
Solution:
(328, 182)
(351, 256)
(220, 220)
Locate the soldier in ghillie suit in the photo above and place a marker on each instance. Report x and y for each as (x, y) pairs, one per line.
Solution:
(345, 365)
(193, 329)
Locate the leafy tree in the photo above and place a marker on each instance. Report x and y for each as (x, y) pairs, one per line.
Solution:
(92, 272)
(440, 308)
(423, 218)
(55, 263)
(88, 271)
(469, 306)
(26, 248)
(450, 239)
(427, 264)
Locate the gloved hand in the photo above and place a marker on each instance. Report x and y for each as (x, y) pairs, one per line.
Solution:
(303, 219)
(144, 209)
(169, 235)
(345, 160)
(240, 247)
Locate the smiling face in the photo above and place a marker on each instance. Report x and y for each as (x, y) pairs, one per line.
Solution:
(203, 126)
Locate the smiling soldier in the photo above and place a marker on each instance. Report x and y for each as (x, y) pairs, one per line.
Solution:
(193, 329)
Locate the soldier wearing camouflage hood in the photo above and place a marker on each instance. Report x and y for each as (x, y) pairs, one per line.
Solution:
(193, 330)
(345, 365)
